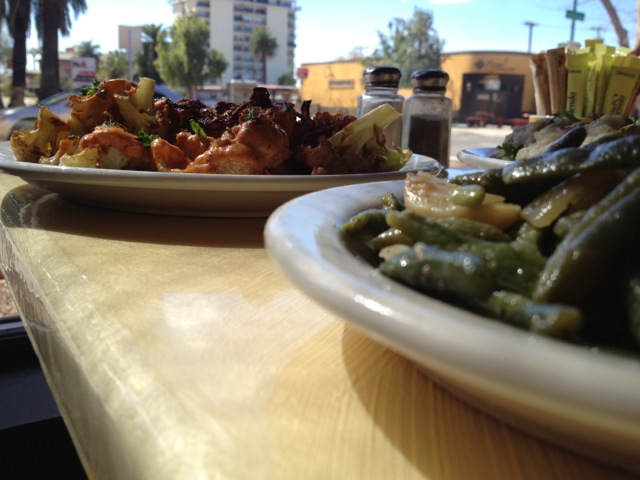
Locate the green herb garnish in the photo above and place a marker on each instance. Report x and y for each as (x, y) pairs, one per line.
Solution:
(92, 90)
(197, 128)
(509, 150)
(568, 115)
(250, 113)
(146, 138)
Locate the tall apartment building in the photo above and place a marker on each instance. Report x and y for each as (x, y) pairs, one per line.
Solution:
(231, 24)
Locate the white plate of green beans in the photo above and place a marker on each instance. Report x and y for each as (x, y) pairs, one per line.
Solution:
(582, 397)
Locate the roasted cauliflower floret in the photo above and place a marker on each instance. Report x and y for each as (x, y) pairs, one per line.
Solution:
(168, 157)
(106, 147)
(41, 142)
(117, 101)
(250, 148)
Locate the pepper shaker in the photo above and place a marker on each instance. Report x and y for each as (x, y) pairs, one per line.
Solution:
(381, 86)
(426, 120)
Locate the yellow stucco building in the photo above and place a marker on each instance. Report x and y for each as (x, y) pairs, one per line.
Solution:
(496, 82)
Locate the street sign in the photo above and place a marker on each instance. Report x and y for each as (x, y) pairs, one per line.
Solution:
(575, 15)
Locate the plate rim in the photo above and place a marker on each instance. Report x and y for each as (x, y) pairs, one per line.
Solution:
(192, 181)
(479, 157)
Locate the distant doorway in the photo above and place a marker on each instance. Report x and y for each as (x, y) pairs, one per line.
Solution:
(498, 95)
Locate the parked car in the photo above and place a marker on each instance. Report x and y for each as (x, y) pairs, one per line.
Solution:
(24, 118)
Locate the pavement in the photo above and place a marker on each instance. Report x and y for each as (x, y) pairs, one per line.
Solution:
(479, 137)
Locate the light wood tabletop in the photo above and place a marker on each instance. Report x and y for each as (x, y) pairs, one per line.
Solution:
(175, 348)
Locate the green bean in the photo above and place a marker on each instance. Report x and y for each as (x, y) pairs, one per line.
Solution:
(444, 230)
(571, 138)
(564, 224)
(468, 195)
(392, 236)
(606, 137)
(391, 202)
(368, 223)
(433, 270)
(607, 228)
(565, 274)
(423, 229)
(490, 180)
(621, 153)
(493, 182)
(556, 166)
(576, 193)
(517, 263)
(560, 321)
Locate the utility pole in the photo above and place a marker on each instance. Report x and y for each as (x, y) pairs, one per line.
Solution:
(530, 25)
(573, 20)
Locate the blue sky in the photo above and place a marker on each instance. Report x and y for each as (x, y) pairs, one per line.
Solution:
(332, 29)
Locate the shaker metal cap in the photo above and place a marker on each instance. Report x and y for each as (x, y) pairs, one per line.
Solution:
(429, 79)
(382, 76)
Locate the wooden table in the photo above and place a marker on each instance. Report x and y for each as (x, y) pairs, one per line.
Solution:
(175, 349)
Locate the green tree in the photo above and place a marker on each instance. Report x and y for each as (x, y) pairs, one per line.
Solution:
(184, 59)
(216, 65)
(409, 45)
(113, 64)
(53, 17)
(145, 60)
(264, 46)
(287, 79)
(19, 23)
(88, 49)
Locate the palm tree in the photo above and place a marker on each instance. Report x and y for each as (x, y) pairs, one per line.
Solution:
(113, 64)
(53, 16)
(3, 18)
(88, 49)
(151, 35)
(264, 46)
(19, 22)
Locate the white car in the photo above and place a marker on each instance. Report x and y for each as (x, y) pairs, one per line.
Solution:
(24, 118)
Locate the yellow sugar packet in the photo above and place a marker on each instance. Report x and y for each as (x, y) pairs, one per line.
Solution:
(604, 60)
(622, 85)
(590, 89)
(592, 42)
(592, 76)
(578, 63)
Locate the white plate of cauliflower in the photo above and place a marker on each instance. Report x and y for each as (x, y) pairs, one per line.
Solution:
(122, 149)
(167, 193)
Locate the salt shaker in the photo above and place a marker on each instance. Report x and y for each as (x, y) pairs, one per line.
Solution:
(426, 120)
(381, 86)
